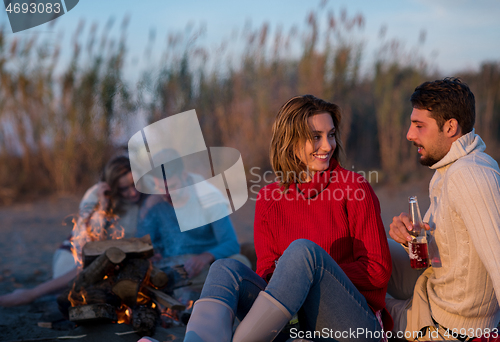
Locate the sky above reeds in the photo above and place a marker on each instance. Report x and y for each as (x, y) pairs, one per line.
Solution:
(453, 35)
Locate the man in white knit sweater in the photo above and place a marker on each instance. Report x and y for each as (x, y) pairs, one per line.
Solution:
(456, 298)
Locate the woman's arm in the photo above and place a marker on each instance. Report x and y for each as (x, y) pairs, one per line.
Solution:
(90, 213)
(372, 266)
(26, 296)
(265, 245)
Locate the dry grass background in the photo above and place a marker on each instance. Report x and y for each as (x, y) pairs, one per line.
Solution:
(57, 129)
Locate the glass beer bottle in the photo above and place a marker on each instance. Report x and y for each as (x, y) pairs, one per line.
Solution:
(419, 256)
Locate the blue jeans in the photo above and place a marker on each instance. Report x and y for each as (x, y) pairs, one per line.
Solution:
(306, 279)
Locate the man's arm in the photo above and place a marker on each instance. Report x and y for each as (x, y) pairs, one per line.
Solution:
(150, 224)
(227, 243)
(474, 194)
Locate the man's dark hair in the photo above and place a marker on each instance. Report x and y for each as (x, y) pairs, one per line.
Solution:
(447, 99)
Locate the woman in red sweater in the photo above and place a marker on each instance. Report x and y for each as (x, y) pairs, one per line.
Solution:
(321, 246)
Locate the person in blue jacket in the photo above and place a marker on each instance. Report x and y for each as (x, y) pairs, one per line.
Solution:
(196, 248)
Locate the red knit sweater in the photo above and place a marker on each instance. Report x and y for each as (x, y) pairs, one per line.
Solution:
(337, 210)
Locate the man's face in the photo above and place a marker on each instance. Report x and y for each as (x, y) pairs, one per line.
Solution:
(177, 183)
(174, 182)
(432, 143)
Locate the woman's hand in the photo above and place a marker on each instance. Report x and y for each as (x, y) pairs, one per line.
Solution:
(18, 297)
(399, 228)
(197, 263)
(102, 195)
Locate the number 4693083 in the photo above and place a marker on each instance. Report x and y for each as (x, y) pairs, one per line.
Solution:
(34, 8)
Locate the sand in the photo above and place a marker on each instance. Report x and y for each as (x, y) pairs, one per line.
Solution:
(30, 233)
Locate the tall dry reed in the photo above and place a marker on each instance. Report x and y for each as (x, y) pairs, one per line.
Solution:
(58, 128)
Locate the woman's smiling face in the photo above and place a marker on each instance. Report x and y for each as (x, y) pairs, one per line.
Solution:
(316, 154)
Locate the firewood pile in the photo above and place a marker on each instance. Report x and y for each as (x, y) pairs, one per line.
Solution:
(118, 283)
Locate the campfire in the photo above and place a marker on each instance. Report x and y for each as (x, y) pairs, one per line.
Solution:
(118, 283)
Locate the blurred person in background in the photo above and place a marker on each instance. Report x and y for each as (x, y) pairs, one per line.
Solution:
(108, 209)
(196, 248)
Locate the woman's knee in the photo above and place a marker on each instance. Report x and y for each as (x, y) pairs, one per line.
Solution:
(228, 266)
(303, 243)
(226, 262)
(303, 250)
(227, 274)
(303, 246)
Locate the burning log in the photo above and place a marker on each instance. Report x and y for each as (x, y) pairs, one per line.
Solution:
(133, 248)
(158, 278)
(165, 300)
(177, 277)
(88, 287)
(129, 280)
(101, 312)
(117, 275)
(99, 292)
(144, 319)
(99, 268)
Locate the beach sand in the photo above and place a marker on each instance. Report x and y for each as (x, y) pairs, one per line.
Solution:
(31, 232)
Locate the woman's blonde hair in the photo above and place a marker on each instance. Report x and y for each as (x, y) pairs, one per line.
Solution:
(291, 128)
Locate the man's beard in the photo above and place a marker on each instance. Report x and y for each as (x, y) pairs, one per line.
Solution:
(429, 161)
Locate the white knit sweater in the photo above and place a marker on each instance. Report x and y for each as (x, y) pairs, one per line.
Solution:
(465, 217)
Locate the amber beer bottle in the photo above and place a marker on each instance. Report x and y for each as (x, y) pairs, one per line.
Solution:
(419, 256)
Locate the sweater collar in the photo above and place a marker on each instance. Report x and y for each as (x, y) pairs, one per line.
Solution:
(466, 144)
(318, 183)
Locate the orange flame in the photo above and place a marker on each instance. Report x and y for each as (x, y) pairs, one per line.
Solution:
(147, 278)
(124, 314)
(91, 227)
(174, 314)
(143, 299)
(77, 298)
(170, 313)
(95, 226)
